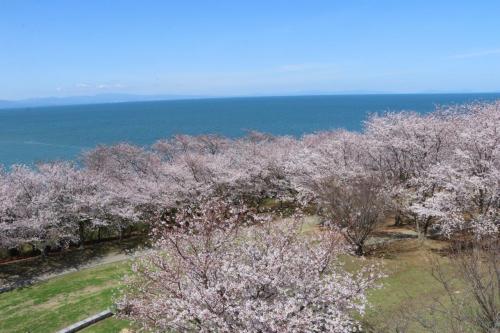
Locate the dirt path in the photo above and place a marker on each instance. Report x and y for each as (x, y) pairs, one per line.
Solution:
(107, 259)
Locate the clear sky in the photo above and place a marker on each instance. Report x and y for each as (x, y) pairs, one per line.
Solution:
(219, 47)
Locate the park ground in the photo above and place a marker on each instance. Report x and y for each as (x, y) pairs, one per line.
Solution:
(70, 295)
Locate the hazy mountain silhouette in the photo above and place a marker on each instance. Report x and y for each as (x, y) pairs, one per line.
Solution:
(90, 99)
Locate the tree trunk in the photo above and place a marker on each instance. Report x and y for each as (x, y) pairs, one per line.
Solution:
(427, 225)
(420, 234)
(81, 232)
(45, 251)
(359, 250)
(398, 221)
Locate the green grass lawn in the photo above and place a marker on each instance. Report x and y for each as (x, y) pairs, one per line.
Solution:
(62, 301)
(59, 302)
(409, 283)
(109, 325)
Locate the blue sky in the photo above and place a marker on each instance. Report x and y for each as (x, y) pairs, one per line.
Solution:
(227, 48)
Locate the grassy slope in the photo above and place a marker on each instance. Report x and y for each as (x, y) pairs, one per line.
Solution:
(59, 302)
(409, 282)
(109, 325)
(54, 304)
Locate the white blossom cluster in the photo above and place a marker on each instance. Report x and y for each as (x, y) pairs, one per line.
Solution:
(440, 170)
(218, 276)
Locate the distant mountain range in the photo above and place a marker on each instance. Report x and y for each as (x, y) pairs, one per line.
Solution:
(95, 99)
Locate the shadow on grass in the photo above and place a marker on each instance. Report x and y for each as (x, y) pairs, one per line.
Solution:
(24, 273)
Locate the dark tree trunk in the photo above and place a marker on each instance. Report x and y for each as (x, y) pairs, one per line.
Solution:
(427, 224)
(398, 221)
(359, 250)
(81, 233)
(45, 250)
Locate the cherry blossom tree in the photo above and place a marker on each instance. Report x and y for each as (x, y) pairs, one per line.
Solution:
(213, 274)
(20, 214)
(355, 208)
(338, 155)
(468, 182)
(49, 205)
(402, 147)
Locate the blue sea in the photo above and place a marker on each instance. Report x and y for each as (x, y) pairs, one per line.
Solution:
(29, 135)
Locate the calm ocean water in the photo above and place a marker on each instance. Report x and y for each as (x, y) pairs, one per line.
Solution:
(62, 132)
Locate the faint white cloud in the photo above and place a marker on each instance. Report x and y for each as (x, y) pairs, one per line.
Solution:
(305, 67)
(110, 86)
(476, 54)
(89, 88)
(99, 86)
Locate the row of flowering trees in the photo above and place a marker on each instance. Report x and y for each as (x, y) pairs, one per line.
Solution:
(439, 171)
(220, 262)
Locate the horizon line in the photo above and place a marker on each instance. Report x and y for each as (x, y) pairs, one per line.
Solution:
(39, 101)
